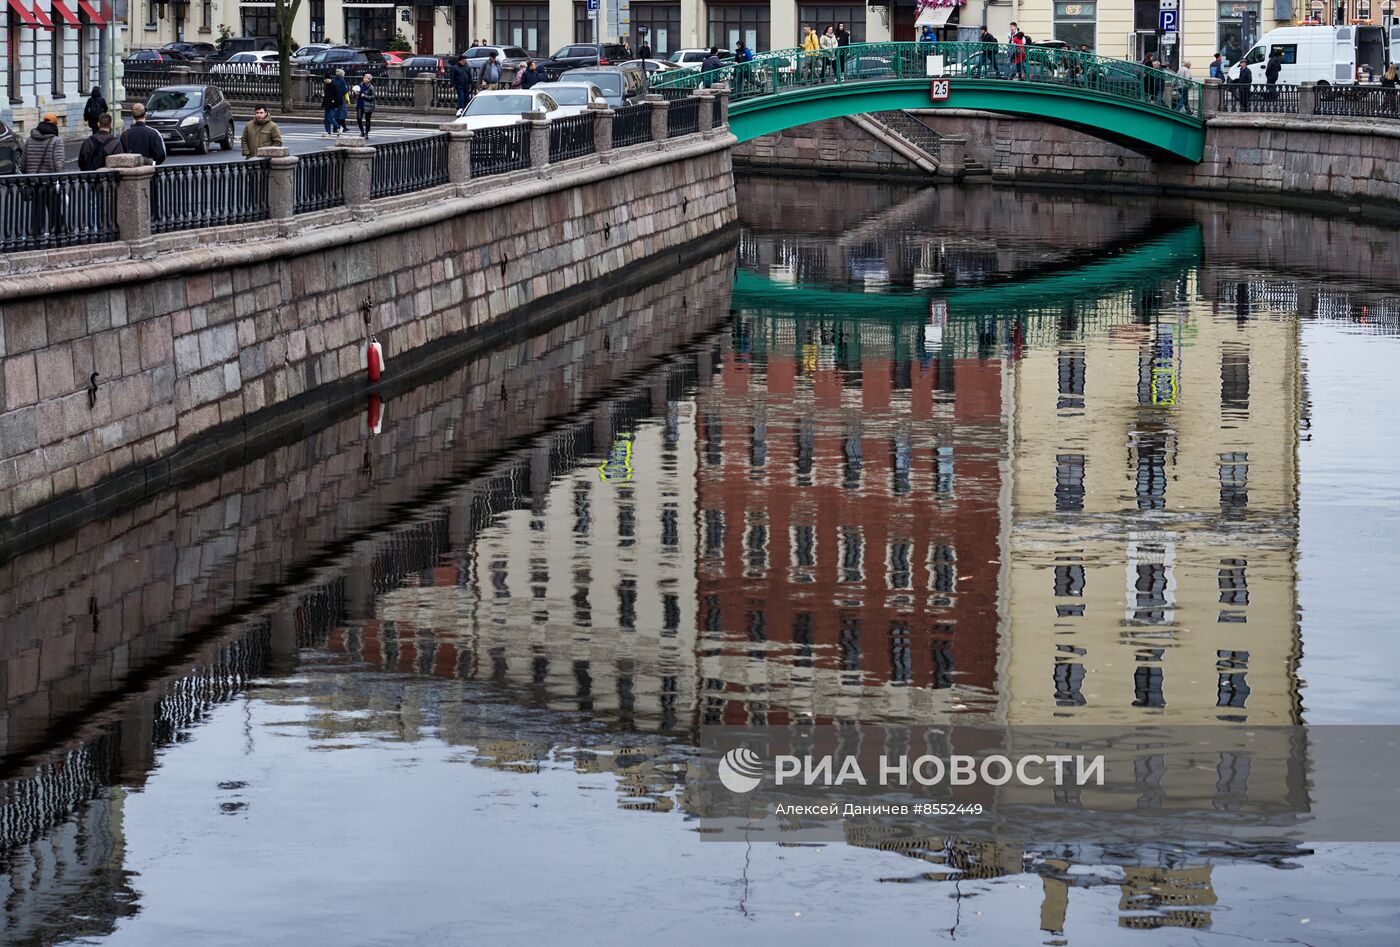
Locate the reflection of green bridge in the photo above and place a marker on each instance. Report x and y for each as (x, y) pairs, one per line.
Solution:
(1146, 109)
(978, 318)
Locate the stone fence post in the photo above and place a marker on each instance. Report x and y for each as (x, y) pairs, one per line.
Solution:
(602, 129)
(359, 172)
(706, 113)
(423, 91)
(281, 181)
(722, 104)
(539, 138)
(1307, 98)
(459, 152)
(952, 156)
(659, 107)
(1211, 92)
(133, 196)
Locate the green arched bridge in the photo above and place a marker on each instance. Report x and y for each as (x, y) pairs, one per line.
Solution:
(1155, 112)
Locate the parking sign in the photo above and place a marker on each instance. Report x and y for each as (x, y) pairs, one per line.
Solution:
(1166, 21)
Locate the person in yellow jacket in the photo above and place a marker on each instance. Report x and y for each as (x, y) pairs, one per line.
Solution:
(811, 48)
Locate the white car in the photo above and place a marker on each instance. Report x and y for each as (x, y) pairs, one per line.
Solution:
(693, 58)
(504, 107)
(573, 98)
(263, 61)
(654, 65)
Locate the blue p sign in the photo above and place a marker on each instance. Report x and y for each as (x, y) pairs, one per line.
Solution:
(1166, 21)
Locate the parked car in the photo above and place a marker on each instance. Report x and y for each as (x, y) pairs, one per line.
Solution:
(191, 116)
(353, 61)
(505, 56)
(194, 52)
(581, 55)
(1344, 55)
(573, 98)
(425, 65)
(393, 57)
(652, 66)
(10, 146)
(304, 54)
(620, 86)
(692, 58)
(246, 62)
(243, 44)
(498, 107)
(147, 58)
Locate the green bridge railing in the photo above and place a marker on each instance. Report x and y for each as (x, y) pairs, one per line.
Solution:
(784, 70)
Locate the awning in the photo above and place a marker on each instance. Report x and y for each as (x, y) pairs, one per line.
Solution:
(22, 11)
(41, 16)
(936, 17)
(97, 19)
(65, 13)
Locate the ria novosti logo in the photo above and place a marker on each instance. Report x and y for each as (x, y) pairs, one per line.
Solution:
(740, 770)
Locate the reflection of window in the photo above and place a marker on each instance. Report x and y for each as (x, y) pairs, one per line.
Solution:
(1069, 681)
(1069, 482)
(1069, 580)
(851, 449)
(852, 554)
(1071, 372)
(1234, 381)
(1147, 687)
(1151, 487)
(943, 568)
(806, 451)
(1234, 481)
(1234, 584)
(943, 470)
(1075, 23)
(714, 534)
(901, 566)
(901, 655)
(804, 548)
(903, 465)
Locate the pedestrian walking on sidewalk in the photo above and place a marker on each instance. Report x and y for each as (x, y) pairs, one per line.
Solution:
(364, 104)
(342, 91)
(261, 132)
(331, 102)
(94, 109)
(461, 78)
(92, 156)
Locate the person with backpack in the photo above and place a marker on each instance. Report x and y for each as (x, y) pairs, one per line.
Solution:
(92, 156)
(94, 109)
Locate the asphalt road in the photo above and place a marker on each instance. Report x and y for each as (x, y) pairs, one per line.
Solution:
(299, 137)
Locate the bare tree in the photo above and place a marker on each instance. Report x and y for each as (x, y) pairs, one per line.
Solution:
(285, 12)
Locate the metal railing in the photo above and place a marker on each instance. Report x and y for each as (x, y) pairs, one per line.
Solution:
(140, 83)
(319, 181)
(570, 137)
(184, 197)
(501, 149)
(1277, 99)
(786, 69)
(392, 91)
(909, 128)
(631, 125)
(403, 166)
(444, 95)
(682, 116)
(1358, 101)
(264, 87)
(38, 211)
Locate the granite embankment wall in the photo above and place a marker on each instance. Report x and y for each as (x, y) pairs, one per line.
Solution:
(836, 146)
(1342, 165)
(95, 626)
(193, 343)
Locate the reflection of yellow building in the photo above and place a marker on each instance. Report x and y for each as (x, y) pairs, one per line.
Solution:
(1154, 524)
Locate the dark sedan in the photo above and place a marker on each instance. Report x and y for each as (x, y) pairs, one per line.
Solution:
(191, 116)
(582, 56)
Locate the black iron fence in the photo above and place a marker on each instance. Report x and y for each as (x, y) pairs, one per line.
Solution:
(319, 181)
(1358, 101)
(392, 91)
(501, 149)
(1276, 99)
(264, 88)
(404, 166)
(445, 95)
(184, 197)
(570, 137)
(631, 125)
(140, 83)
(38, 211)
(682, 117)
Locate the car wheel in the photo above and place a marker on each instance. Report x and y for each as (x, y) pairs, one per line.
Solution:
(228, 137)
(202, 147)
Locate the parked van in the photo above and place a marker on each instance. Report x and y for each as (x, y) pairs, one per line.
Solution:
(1327, 55)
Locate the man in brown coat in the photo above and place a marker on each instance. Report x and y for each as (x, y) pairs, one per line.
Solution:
(261, 132)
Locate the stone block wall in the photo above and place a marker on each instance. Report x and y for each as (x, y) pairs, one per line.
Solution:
(149, 592)
(835, 146)
(189, 360)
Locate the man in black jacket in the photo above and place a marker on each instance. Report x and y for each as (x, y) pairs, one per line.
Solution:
(142, 140)
(92, 156)
(461, 78)
(95, 107)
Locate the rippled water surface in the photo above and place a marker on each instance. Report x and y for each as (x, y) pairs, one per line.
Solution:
(436, 672)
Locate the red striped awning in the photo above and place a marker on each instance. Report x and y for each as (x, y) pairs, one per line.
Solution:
(22, 11)
(95, 18)
(65, 13)
(41, 16)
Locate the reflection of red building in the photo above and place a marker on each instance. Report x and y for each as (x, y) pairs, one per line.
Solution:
(848, 521)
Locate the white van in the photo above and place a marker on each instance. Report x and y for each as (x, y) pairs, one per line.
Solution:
(1327, 55)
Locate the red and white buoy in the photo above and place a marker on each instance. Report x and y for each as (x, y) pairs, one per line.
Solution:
(374, 357)
(375, 420)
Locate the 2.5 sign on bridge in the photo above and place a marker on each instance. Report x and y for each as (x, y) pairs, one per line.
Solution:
(940, 90)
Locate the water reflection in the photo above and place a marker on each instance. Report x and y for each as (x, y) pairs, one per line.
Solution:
(1026, 458)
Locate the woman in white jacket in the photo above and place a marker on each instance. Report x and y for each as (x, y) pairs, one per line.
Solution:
(828, 43)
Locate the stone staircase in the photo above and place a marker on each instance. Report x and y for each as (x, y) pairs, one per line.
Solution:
(910, 130)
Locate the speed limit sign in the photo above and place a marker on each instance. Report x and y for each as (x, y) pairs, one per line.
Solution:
(940, 90)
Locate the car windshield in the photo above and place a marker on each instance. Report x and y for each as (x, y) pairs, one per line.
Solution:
(172, 100)
(610, 83)
(566, 95)
(500, 105)
(515, 52)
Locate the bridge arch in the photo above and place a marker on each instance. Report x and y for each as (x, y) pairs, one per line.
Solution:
(1155, 112)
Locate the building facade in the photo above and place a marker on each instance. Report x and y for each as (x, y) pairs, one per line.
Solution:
(55, 52)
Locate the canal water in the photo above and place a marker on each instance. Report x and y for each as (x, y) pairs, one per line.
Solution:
(435, 673)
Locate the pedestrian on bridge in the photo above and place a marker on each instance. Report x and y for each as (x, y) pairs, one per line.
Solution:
(364, 105)
(989, 53)
(1018, 53)
(1217, 68)
(828, 44)
(710, 66)
(1242, 83)
(811, 49)
(843, 39)
(261, 132)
